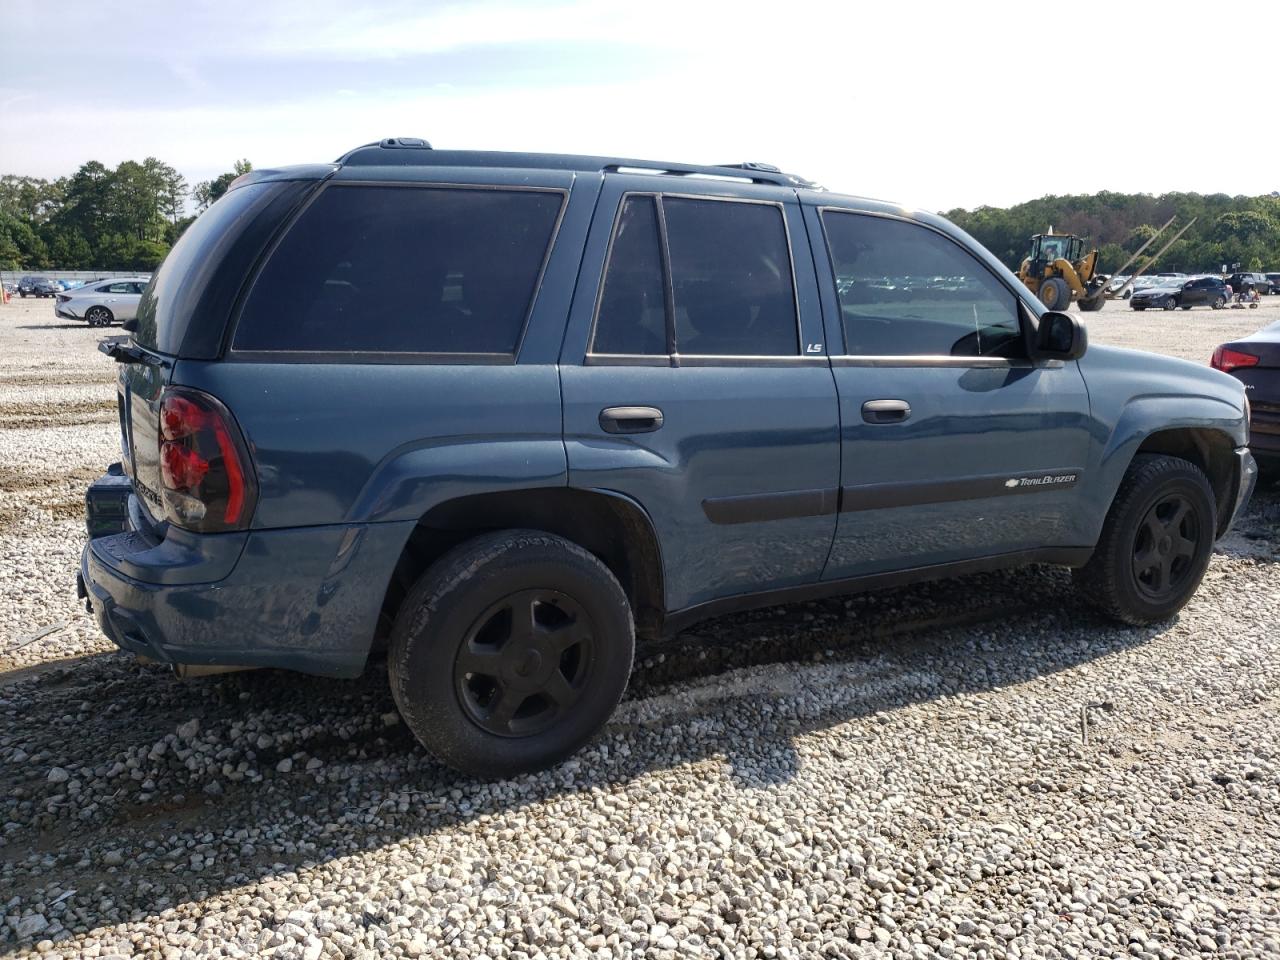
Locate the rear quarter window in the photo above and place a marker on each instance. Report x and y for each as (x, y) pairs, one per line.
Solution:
(403, 270)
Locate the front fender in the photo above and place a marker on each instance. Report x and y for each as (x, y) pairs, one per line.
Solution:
(1134, 395)
(1145, 416)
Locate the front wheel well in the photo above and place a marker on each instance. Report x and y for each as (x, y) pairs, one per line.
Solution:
(1210, 450)
(611, 527)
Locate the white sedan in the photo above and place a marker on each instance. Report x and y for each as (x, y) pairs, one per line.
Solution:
(102, 302)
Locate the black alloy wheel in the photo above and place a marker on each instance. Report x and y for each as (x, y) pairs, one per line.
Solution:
(510, 652)
(1155, 542)
(1164, 552)
(525, 662)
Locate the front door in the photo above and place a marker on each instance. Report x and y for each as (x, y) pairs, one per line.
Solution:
(695, 383)
(954, 445)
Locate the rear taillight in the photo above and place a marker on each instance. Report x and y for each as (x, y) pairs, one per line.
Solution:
(204, 465)
(1226, 359)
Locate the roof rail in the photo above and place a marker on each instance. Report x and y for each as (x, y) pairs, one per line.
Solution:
(413, 151)
(754, 172)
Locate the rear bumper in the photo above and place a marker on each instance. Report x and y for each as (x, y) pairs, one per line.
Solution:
(65, 312)
(303, 599)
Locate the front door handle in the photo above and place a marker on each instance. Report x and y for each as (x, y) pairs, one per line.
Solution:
(630, 419)
(886, 411)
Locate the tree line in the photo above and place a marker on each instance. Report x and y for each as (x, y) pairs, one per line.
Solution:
(1240, 233)
(101, 218)
(128, 218)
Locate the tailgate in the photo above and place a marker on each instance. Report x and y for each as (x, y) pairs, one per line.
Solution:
(138, 394)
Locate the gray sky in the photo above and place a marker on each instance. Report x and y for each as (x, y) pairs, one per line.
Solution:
(934, 105)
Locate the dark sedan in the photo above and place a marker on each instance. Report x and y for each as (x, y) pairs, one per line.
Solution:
(1199, 292)
(1245, 282)
(1255, 362)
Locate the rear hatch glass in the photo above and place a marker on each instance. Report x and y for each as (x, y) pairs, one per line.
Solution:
(172, 300)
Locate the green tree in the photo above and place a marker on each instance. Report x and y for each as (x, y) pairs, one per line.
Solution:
(210, 191)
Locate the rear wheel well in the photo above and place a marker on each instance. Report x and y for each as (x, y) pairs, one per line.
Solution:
(1210, 450)
(611, 527)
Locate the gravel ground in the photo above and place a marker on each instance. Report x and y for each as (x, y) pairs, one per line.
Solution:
(973, 768)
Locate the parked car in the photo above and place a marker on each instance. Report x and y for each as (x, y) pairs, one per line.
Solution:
(1255, 361)
(1274, 279)
(1244, 282)
(103, 303)
(36, 287)
(1144, 283)
(1202, 291)
(680, 391)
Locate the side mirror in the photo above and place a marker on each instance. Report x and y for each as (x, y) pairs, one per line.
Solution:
(1060, 336)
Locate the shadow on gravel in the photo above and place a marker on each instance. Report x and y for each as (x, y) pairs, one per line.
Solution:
(355, 780)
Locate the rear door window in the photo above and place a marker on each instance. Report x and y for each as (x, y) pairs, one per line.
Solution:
(729, 278)
(413, 270)
(633, 312)
(906, 290)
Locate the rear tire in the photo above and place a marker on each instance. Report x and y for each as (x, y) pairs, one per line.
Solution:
(1186, 306)
(1170, 303)
(511, 652)
(1155, 542)
(1055, 294)
(1219, 303)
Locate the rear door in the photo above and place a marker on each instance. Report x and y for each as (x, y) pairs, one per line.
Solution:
(954, 445)
(695, 383)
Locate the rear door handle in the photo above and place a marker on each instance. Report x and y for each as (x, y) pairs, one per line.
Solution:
(886, 411)
(630, 419)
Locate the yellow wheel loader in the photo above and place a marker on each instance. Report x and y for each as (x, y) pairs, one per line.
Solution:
(1059, 272)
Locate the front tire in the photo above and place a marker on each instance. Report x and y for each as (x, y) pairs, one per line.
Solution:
(511, 652)
(1155, 542)
(1170, 303)
(1055, 294)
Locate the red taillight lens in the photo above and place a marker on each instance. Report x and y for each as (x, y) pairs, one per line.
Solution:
(1226, 359)
(208, 482)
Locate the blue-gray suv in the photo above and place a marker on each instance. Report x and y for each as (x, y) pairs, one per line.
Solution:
(502, 413)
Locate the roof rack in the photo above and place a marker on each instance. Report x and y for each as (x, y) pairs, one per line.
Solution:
(755, 172)
(407, 151)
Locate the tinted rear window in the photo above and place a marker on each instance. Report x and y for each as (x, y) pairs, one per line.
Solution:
(731, 278)
(373, 269)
